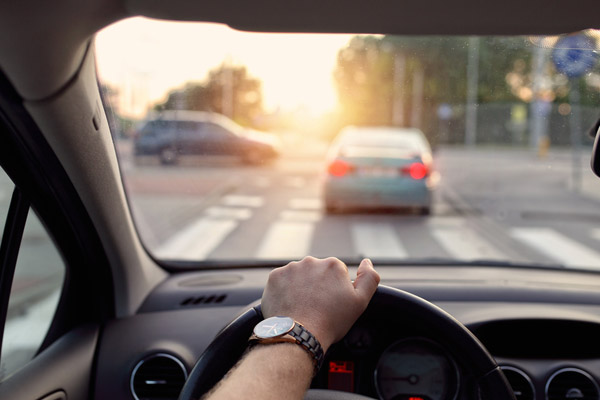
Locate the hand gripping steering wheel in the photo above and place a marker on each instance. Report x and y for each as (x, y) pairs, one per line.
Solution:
(231, 342)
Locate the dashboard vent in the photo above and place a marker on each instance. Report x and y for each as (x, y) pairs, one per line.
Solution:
(158, 377)
(572, 383)
(519, 382)
(212, 299)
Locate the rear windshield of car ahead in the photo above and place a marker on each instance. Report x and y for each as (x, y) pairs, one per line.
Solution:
(378, 152)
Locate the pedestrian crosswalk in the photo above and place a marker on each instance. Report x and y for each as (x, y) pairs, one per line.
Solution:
(376, 240)
(559, 247)
(461, 242)
(197, 240)
(286, 240)
(290, 234)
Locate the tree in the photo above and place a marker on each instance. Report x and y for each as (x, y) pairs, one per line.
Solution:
(433, 71)
(228, 90)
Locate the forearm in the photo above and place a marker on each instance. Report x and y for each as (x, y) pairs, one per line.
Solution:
(276, 371)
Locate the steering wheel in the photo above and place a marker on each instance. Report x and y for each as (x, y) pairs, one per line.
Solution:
(231, 342)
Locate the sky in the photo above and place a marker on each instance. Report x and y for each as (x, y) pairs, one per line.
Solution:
(144, 59)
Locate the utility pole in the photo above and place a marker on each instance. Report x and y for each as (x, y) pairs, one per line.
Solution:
(227, 87)
(398, 95)
(472, 88)
(417, 98)
(575, 125)
(539, 107)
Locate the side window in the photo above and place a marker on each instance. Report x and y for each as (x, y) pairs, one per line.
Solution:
(36, 287)
(159, 128)
(217, 132)
(189, 129)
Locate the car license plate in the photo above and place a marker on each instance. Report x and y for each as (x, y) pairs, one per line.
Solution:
(378, 172)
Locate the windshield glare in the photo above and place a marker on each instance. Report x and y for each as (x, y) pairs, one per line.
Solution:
(239, 147)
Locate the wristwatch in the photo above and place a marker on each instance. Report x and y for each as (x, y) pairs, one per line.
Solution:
(285, 329)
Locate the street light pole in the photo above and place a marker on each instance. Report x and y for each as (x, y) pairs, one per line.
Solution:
(539, 107)
(472, 87)
(227, 95)
(575, 125)
(417, 100)
(398, 95)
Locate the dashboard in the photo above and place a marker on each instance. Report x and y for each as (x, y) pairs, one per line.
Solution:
(542, 326)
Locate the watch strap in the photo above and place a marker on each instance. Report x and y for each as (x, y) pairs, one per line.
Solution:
(309, 342)
(298, 335)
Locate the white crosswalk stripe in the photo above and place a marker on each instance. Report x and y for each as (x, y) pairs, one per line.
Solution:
(306, 204)
(197, 240)
(243, 201)
(376, 240)
(238, 213)
(558, 247)
(262, 182)
(286, 240)
(461, 242)
(300, 215)
(295, 182)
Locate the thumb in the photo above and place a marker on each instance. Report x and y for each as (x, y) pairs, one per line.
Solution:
(366, 280)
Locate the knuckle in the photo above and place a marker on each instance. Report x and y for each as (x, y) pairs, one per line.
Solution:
(276, 274)
(309, 260)
(336, 264)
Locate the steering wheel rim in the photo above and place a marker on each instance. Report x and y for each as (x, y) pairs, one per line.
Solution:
(230, 344)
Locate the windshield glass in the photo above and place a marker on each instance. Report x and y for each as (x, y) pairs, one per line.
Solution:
(239, 148)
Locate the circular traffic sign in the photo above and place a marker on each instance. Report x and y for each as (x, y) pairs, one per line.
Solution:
(574, 55)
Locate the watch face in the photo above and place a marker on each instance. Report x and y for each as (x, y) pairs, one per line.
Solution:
(274, 326)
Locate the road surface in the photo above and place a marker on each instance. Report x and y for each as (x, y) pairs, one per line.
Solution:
(498, 204)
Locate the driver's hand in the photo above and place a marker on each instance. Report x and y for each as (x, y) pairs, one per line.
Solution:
(319, 294)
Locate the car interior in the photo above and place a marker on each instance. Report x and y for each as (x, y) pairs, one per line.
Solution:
(123, 318)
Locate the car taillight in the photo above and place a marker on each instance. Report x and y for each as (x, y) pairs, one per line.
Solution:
(339, 168)
(416, 170)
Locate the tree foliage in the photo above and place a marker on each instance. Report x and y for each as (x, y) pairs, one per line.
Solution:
(366, 77)
(228, 90)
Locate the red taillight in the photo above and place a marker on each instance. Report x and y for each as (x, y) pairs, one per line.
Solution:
(339, 168)
(416, 170)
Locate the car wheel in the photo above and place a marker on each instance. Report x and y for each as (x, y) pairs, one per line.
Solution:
(168, 155)
(425, 210)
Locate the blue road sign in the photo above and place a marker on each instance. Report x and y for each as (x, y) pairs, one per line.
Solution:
(574, 55)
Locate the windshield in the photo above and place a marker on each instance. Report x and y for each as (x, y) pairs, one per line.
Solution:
(239, 148)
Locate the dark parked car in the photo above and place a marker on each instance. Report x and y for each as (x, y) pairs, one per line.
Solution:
(175, 133)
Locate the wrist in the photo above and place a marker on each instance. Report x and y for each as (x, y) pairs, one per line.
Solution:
(283, 329)
(322, 335)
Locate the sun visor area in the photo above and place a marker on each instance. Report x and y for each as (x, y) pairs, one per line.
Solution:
(382, 16)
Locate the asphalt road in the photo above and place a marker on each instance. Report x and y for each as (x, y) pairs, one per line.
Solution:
(493, 204)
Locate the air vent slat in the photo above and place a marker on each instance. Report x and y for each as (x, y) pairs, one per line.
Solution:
(201, 300)
(187, 301)
(158, 377)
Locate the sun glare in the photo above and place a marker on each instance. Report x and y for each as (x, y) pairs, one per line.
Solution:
(144, 59)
